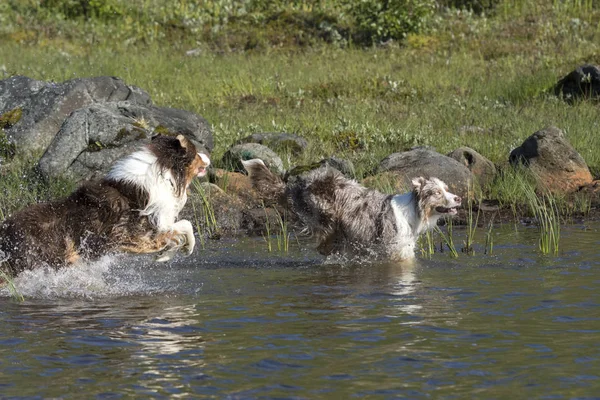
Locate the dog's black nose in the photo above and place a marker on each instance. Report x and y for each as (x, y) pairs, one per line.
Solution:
(457, 199)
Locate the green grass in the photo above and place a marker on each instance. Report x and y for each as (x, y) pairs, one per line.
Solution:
(21, 185)
(357, 103)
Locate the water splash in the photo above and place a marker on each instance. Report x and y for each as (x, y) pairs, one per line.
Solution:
(107, 277)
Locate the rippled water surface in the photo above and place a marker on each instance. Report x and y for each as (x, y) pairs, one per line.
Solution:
(238, 322)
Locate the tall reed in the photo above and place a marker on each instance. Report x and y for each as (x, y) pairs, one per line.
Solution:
(427, 245)
(489, 239)
(205, 219)
(267, 237)
(472, 221)
(12, 289)
(447, 238)
(547, 215)
(283, 237)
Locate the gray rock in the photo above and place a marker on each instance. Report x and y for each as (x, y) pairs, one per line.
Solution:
(428, 163)
(93, 137)
(556, 165)
(278, 141)
(46, 105)
(583, 82)
(246, 151)
(482, 168)
(344, 166)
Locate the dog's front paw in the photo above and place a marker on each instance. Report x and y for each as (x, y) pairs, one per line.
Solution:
(165, 256)
(185, 229)
(182, 239)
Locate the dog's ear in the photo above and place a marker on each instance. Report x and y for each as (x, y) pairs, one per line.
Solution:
(182, 141)
(418, 184)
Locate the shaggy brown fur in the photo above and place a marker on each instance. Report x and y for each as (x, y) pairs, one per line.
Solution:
(100, 217)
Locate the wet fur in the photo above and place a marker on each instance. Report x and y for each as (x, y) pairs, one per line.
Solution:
(349, 218)
(133, 209)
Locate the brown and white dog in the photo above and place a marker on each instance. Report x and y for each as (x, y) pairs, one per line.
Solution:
(133, 209)
(348, 218)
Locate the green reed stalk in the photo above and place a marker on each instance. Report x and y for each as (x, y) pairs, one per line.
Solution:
(198, 226)
(283, 237)
(267, 238)
(427, 245)
(209, 224)
(489, 239)
(546, 211)
(14, 292)
(447, 239)
(471, 228)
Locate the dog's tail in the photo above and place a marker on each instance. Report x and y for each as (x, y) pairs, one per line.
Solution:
(270, 187)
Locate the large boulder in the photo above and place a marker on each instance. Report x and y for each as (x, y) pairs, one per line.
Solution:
(583, 82)
(247, 151)
(93, 137)
(553, 161)
(278, 141)
(43, 106)
(483, 169)
(428, 163)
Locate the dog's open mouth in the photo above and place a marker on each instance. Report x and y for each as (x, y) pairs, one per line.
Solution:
(446, 210)
(201, 172)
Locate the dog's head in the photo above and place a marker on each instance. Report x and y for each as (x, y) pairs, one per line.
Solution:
(179, 156)
(434, 197)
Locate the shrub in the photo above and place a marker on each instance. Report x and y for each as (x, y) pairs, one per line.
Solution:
(477, 6)
(378, 21)
(102, 9)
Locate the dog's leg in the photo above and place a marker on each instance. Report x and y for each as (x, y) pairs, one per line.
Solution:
(183, 233)
(149, 243)
(326, 244)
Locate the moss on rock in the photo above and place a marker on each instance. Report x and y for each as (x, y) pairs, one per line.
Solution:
(10, 118)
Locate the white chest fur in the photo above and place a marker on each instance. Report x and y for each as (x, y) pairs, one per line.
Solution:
(141, 169)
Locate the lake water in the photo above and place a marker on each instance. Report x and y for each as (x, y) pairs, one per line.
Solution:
(237, 322)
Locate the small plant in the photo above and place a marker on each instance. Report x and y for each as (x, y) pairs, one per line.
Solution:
(427, 245)
(489, 239)
(14, 292)
(379, 21)
(547, 215)
(267, 236)
(283, 237)
(447, 239)
(206, 223)
(472, 221)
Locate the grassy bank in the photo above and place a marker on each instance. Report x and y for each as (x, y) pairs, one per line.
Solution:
(459, 79)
